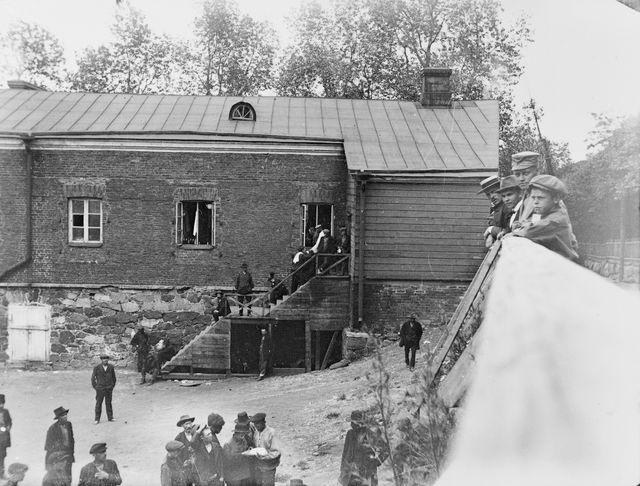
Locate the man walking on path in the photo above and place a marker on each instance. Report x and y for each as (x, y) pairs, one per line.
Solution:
(103, 381)
(410, 335)
(60, 439)
(5, 433)
(244, 287)
(140, 343)
(102, 471)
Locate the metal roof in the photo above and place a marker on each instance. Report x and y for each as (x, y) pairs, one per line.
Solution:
(377, 135)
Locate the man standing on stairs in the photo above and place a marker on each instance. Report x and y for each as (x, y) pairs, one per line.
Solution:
(244, 286)
(410, 335)
(265, 353)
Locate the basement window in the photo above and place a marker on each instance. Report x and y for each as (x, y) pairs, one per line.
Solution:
(313, 215)
(85, 221)
(196, 224)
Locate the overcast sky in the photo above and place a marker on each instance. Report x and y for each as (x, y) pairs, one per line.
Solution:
(584, 58)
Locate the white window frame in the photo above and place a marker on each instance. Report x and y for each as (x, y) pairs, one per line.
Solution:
(305, 213)
(85, 239)
(179, 229)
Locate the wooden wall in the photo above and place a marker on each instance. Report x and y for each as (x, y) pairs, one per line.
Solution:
(425, 230)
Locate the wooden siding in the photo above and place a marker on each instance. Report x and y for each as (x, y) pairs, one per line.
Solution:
(424, 231)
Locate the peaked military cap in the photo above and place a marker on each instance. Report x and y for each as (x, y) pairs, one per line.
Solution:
(524, 160)
(549, 183)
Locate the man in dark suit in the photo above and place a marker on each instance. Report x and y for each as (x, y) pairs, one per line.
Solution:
(410, 335)
(5, 433)
(103, 381)
(60, 439)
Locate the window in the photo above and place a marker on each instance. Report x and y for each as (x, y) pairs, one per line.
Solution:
(313, 215)
(242, 111)
(196, 223)
(85, 221)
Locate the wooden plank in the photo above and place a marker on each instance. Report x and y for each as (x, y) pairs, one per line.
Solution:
(453, 387)
(318, 353)
(307, 337)
(334, 340)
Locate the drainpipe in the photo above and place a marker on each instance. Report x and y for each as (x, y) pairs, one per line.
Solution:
(361, 245)
(28, 250)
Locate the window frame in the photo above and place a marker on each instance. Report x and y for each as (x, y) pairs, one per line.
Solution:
(179, 228)
(305, 213)
(85, 215)
(249, 109)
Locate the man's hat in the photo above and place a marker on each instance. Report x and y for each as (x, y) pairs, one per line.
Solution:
(241, 428)
(244, 265)
(183, 419)
(259, 417)
(214, 420)
(489, 185)
(59, 412)
(549, 183)
(243, 418)
(524, 160)
(105, 356)
(98, 448)
(17, 467)
(173, 445)
(357, 416)
(509, 183)
(58, 456)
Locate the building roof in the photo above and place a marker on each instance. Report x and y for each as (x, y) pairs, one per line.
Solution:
(377, 135)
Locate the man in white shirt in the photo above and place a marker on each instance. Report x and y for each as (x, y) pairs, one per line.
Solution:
(268, 457)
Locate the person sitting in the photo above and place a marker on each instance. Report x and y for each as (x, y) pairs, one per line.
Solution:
(221, 306)
(280, 288)
(549, 225)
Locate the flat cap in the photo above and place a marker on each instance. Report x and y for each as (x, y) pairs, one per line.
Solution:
(98, 448)
(508, 183)
(173, 445)
(17, 467)
(549, 183)
(214, 419)
(524, 160)
(490, 184)
(259, 417)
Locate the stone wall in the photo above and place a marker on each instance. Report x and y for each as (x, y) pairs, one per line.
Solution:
(87, 322)
(609, 267)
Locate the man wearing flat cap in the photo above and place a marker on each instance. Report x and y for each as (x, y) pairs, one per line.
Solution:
(103, 381)
(267, 451)
(5, 433)
(57, 476)
(552, 228)
(102, 471)
(15, 473)
(173, 471)
(60, 439)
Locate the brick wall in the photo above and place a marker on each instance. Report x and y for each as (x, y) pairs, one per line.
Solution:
(258, 221)
(13, 208)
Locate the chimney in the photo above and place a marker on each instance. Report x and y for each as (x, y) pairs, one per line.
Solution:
(436, 87)
(20, 84)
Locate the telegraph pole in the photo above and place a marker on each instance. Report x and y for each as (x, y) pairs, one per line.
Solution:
(544, 142)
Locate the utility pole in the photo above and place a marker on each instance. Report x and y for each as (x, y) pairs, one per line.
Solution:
(543, 141)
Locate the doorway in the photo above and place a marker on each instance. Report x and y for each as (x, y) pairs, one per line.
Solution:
(29, 329)
(326, 348)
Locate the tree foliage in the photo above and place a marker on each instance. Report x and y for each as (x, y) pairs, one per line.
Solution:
(32, 53)
(232, 54)
(138, 61)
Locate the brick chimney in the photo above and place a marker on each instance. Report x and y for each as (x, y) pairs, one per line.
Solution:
(20, 84)
(436, 87)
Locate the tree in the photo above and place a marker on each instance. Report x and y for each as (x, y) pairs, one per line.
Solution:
(138, 61)
(232, 54)
(32, 53)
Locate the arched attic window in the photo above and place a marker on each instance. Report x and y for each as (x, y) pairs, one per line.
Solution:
(242, 111)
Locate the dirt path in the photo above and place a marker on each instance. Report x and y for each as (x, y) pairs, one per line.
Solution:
(309, 413)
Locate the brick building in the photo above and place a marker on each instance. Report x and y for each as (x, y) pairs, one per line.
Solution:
(120, 209)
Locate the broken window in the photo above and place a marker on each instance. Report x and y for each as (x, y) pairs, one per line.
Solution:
(85, 221)
(312, 216)
(196, 223)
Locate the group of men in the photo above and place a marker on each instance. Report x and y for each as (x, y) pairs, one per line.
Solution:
(530, 205)
(196, 458)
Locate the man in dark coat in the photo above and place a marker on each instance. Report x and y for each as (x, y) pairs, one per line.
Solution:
(103, 380)
(173, 471)
(221, 306)
(410, 335)
(278, 292)
(244, 287)
(140, 342)
(5, 433)
(360, 457)
(57, 476)
(265, 353)
(60, 439)
(102, 471)
(208, 459)
(238, 467)
(190, 437)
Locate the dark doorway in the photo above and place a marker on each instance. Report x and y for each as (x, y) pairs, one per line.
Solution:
(320, 343)
(245, 345)
(288, 339)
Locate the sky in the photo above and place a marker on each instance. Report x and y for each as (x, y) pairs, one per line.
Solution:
(583, 60)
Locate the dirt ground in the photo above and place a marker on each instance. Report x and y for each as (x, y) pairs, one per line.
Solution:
(309, 413)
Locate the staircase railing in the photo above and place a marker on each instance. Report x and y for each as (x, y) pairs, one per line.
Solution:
(319, 264)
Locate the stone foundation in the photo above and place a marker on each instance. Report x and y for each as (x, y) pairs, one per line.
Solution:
(87, 322)
(609, 267)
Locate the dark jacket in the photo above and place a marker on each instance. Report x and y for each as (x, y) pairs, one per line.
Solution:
(140, 341)
(88, 473)
(209, 465)
(190, 447)
(236, 466)
(173, 473)
(410, 334)
(244, 283)
(55, 441)
(5, 437)
(56, 478)
(222, 306)
(101, 379)
(359, 459)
